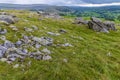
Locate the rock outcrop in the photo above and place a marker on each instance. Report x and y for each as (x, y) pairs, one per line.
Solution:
(7, 18)
(96, 24)
(100, 26)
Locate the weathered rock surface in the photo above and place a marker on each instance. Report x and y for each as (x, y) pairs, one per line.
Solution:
(8, 19)
(100, 26)
(96, 24)
(10, 52)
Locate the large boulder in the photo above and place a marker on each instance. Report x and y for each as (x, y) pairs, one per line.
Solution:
(100, 26)
(8, 19)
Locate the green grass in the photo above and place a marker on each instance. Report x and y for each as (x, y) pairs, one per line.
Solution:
(87, 60)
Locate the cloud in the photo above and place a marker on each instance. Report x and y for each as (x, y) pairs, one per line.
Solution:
(98, 5)
(82, 3)
(54, 2)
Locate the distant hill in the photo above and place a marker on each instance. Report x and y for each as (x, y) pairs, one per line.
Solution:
(108, 12)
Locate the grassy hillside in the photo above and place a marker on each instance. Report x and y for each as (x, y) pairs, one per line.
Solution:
(94, 56)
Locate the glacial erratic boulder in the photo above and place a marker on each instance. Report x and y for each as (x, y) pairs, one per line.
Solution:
(100, 26)
(8, 19)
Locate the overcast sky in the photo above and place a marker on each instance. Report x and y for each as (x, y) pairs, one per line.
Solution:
(66, 2)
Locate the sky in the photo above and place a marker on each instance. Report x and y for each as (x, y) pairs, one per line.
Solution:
(84, 3)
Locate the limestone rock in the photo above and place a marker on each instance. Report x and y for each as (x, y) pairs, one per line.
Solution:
(100, 26)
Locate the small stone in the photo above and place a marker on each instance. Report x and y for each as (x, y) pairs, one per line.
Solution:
(8, 44)
(45, 50)
(53, 34)
(3, 38)
(37, 46)
(25, 51)
(36, 53)
(35, 27)
(45, 41)
(38, 57)
(2, 51)
(3, 59)
(109, 54)
(12, 59)
(47, 57)
(14, 28)
(67, 45)
(62, 31)
(65, 60)
(29, 63)
(16, 66)
(28, 29)
(18, 43)
(3, 31)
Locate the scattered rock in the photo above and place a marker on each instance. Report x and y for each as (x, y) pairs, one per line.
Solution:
(2, 51)
(3, 31)
(9, 19)
(62, 31)
(16, 66)
(67, 45)
(18, 43)
(80, 20)
(53, 34)
(14, 28)
(46, 41)
(37, 46)
(3, 38)
(3, 59)
(28, 29)
(46, 51)
(7, 44)
(47, 57)
(65, 60)
(35, 27)
(109, 54)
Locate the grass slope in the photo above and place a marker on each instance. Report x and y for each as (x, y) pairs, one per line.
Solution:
(89, 59)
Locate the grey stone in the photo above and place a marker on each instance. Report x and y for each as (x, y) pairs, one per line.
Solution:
(3, 31)
(14, 28)
(96, 20)
(25, 51)
(80, 20)
(99, 26)
(104, 30)
(28, 29)
(2, 51)
(62, 31)
(47, 57)
(67, 45)
(46, 41)
(65, 60)
(36, 53)
(16, 66)
(3, 59)
(12, 59)
(18, 43)
(3, 38)
(8, 44)
(53, 34)
(35, 27)
(37, 46)
(8, 19)
(45, 50)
